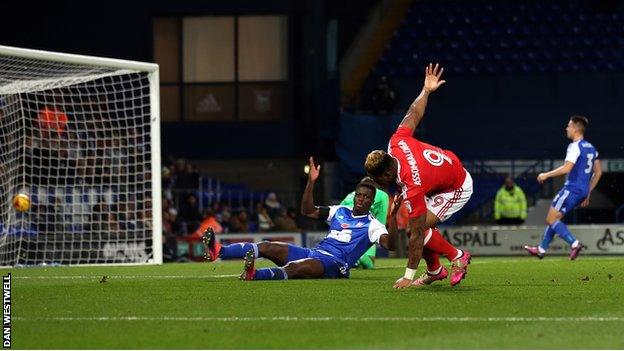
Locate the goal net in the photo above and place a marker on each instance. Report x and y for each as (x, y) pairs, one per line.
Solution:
(80, 136)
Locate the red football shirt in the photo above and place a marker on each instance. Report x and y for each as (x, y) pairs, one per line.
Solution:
(424, 170)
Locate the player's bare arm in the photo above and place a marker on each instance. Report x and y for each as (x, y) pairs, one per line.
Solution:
(416, 110)
(307, 201)
(559, 171)
(388, 241)
(415, 248)
(594, 181)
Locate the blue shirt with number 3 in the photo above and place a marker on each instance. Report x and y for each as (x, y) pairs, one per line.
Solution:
(583, 154)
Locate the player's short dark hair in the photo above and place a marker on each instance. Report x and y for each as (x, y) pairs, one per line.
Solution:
(368, 183)
(368, 179)
(377, 162)
(580, 121)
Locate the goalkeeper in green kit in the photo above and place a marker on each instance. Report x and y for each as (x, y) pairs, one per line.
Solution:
(379, 210)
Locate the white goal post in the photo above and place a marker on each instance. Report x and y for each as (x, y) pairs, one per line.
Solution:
(80, 136)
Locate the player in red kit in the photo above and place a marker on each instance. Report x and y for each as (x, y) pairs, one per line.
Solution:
(434, 185)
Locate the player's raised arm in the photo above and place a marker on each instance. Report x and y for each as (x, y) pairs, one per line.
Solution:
(416, 110)
(307, 200)
(415, 246)
(388, 241)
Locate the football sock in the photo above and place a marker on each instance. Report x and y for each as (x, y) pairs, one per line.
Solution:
(432, 259)
(238, 250)
(563, 232)
(366, 262)
(549, 233)
(275, 273)
(439, 245)
(436, 272)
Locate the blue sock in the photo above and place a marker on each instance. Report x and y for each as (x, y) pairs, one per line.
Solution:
(238, 250)
(549, 233)
(563, 232)
(275, 273)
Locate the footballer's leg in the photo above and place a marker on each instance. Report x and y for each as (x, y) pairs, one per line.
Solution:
(250, 272)
(435, 271)
(275, 251)
(440, 207)
(213, 249)
(552, 217)
(308, 268)
(278, 252)
(437, 243)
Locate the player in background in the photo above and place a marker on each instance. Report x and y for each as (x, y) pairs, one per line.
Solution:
(379, 210)
(584, 171)
(352, 232)
(433, 181)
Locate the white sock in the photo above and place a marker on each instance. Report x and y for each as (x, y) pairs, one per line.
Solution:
(575, 244)
(539, 248)
(460, 253)
(436, 272)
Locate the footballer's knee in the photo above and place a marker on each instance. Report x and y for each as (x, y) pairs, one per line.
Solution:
(264, 248)
(268, 247)
(294, 270)
(553, 216)
(305, 269)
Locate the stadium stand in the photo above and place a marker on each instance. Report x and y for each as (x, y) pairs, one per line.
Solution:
(506, 37)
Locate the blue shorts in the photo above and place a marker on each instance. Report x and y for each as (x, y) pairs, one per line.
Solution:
(333, 267)
(567, 199)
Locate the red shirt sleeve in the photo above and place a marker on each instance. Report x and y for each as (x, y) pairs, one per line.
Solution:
(404, 131)
(415, 203)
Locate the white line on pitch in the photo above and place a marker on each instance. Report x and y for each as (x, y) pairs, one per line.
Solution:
(475, 261)
(325, 319)
(124, 276)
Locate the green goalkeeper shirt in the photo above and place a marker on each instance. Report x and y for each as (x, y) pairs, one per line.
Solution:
(379, 209)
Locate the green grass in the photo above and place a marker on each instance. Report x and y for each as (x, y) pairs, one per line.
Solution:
(197, 306)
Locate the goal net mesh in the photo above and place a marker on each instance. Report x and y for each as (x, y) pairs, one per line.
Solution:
(75, 138)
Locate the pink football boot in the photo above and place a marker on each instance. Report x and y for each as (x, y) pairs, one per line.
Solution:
(427, 279)
(534, 251)
(459, 268)
(248, 269)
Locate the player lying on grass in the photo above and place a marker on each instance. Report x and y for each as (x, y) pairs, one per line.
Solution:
(352, 232)
(433, 181)
(379, 210)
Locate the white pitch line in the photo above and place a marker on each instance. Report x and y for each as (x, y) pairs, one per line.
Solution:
(329, 319)
(475, 261)
(124, 276)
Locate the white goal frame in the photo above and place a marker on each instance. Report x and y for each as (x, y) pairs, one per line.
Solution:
(152, 71)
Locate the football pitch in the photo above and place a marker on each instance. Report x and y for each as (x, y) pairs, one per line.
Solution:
(504, 303)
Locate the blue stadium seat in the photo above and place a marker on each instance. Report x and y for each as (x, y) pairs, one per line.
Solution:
(525, 34)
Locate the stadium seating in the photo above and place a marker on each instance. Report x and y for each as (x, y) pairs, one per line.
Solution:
(511, 37)
(235, 195)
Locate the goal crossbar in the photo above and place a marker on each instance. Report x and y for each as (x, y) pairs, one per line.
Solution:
(23, 96)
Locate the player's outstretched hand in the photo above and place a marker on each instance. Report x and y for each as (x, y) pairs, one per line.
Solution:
(585, 202)
(541, 178)
(402, 283)
(432, 77)
(396, 205)
(314, 171)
